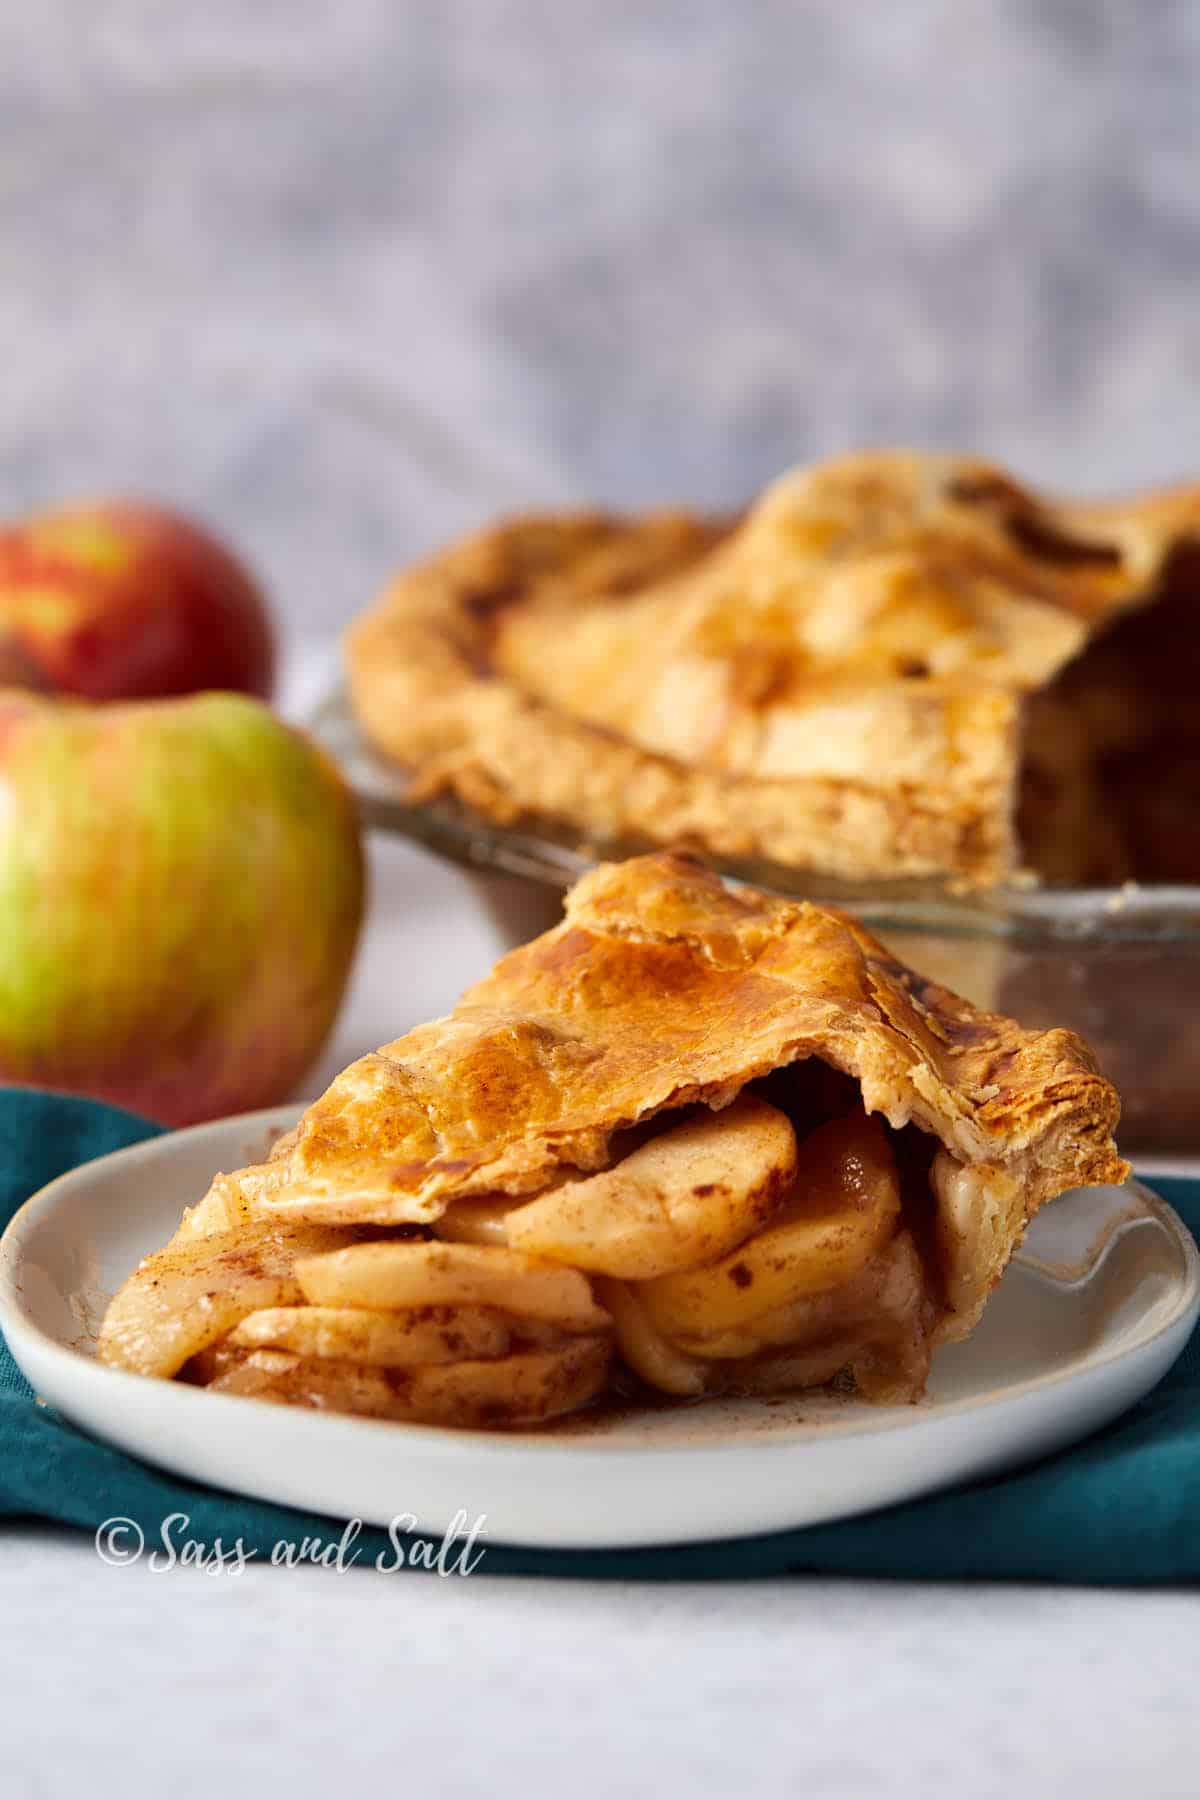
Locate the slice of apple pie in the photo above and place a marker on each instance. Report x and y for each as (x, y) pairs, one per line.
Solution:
(693, 1140)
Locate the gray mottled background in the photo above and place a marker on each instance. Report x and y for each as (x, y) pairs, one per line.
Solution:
(348, 275)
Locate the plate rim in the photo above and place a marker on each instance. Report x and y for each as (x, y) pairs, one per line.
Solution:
(452, 1443)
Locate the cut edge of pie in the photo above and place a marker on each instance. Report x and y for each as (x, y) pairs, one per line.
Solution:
(718, 1139)
(895, 664)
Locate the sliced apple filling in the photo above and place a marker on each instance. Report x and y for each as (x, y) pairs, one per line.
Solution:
(826, 1282)
(738, 1251)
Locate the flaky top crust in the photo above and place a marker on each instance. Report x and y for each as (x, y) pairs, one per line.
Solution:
(661, 988)
(834, 681)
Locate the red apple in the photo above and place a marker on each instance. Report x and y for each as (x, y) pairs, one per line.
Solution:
(181, 887)
(125, 601)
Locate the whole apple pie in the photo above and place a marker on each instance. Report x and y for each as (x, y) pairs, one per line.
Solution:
(894, 664)
(692, 1141)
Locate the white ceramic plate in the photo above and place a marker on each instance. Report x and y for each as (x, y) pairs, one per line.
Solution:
(1097, 1307)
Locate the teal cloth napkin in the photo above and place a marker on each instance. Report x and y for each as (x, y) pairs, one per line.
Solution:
(1121, 1508)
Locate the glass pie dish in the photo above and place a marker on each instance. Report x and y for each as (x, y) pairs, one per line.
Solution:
(1121, 966)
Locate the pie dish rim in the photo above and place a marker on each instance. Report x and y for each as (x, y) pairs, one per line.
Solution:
(1144, 912)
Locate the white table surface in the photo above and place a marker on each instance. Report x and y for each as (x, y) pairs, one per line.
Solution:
(124, 1680)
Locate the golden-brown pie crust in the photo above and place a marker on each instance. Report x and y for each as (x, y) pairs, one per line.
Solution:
(838, 681)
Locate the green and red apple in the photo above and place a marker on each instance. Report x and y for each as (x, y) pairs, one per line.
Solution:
(124, 600)
(181, 888)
